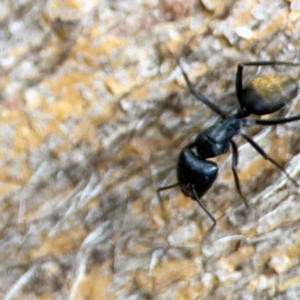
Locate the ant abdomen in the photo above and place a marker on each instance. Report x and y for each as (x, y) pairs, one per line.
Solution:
(266, 94)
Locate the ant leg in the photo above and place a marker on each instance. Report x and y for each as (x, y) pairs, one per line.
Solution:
(277, 121)
(198, 95)
(203, 207)
(235, 158)
(266, 156)
(240, 67)
(162, 207)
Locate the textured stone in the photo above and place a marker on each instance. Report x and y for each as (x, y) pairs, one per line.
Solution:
(94, 111)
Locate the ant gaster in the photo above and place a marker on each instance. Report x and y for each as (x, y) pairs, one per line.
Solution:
(264, 95)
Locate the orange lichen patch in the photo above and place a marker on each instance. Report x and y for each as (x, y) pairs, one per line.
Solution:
(261, 259)
(92, 286)
(138, 208)
(14, 180)
(127, 152)
(294, 16)
(231, 262)
(60, 244)
(263, 282)
(207, 283)
(187, 291)
(25, 139)
(79, 5)
(297, 106)
(11, 116)
(230, 27)
(289, 283)
(65, 147)
(17, 52)
(62, 110)
(282, 263)
(93, 204)
(217, 6)
(188, 113)
(144, 147)
(65, 87)
(94, 34)
(159, 214)
(141, 247)
(118, 88)
(86, 132)
(126, 80)
(172, 46)
(296, 233)
(54, 48)
(4, 82)
(171, 87)
(285, 258)
(22, 139)
(7, 186)
(75, 4)
(272, 26)
(105, 165)
(183, 202)
(94, 50)
(280, 146)
(144, 280)
(168, 272)
(177, 41)
(23, 175)
(55, 5)
(38, 297)
(107, 111)
(242, 17)
(139, 93)
(290, 250)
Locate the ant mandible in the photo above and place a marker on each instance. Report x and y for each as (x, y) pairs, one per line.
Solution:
(264, 95)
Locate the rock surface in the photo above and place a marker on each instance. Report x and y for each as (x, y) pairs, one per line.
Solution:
(94, 111)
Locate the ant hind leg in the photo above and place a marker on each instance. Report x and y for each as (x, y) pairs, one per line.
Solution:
(235, 156)
(266, 156)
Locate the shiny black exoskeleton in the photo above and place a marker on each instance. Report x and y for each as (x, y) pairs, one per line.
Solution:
(264, 95)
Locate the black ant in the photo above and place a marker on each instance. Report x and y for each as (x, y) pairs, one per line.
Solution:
(264, 95)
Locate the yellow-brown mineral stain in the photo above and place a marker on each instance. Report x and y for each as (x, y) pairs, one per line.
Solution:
(231, 262)
(92, 286)
(59, 244)
(169, 270)
(272, 26)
